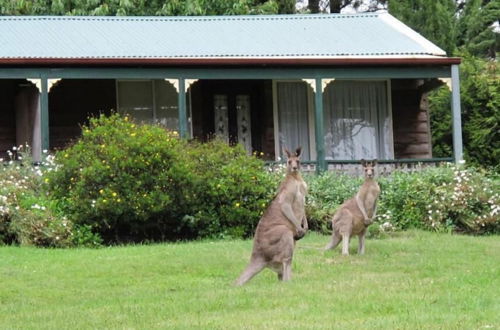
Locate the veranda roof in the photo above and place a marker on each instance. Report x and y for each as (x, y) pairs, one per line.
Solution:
(375, 38)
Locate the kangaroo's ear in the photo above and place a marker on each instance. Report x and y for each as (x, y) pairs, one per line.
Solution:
(286, 152)
(374, 162)
(363, 162)
(298, 151)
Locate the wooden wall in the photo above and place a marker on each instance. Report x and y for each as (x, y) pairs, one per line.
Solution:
(410, 113)
(72, 101)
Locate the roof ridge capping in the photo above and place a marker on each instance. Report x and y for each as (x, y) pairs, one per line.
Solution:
(431, 48)
(189, 18)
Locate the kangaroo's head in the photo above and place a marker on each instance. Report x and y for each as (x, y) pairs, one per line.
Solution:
(369, 168)
(293, 160)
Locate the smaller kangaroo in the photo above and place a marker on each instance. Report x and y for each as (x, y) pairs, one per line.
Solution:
(282, 224)
(357, 213)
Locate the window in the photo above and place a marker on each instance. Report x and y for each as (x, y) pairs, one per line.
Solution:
(292, 117)
(357, 121)
(149, 101)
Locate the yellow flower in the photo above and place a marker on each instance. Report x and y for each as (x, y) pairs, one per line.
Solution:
(66, 155)
(237, 204)
(261, 153)
(104, 201)
(101, 191)
(114, 194)
(46, 180)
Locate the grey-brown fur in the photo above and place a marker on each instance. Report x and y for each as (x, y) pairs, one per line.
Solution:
(356, 214)
(282, 224)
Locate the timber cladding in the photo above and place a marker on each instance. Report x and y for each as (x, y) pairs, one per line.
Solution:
(411, 127)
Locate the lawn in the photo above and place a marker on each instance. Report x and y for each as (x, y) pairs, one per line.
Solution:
(411, 280)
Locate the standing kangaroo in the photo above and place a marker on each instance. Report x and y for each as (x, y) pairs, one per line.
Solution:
(357, 213)
(282, 224)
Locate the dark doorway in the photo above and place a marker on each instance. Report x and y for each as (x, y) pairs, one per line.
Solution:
(237, 111)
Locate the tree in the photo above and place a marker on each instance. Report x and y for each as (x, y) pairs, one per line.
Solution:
(476, 27)
(144, 7)
(480, 93)
(434, 19)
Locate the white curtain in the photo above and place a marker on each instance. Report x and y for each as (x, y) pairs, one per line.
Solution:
(357, 121)
(293, 121)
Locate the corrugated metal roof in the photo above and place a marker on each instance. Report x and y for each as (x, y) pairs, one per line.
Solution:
(273, 36)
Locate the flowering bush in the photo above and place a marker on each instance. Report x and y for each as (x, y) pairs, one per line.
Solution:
(121, 179)
(442, 199)
(230, 190)
(27, 216)
(470, 202)
(140, 182)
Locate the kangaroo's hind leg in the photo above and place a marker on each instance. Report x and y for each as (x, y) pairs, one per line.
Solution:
(334, 242)
(284, 258)
(255, 266)
(361, 246)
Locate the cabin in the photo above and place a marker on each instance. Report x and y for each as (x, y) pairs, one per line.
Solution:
(344, 87)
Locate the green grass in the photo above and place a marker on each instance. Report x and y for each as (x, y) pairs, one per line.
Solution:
(414, 280)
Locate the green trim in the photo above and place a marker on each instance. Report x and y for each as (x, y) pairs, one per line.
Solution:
(458, 152)
(229, 73)
(44, 114)
(318, 123)
(182, 109)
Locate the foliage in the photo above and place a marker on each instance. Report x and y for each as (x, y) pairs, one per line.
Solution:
(121, 178)
(27, 216)
(444, 198)
(452, 24)
(476, 27)
(139, 182)
(230, 189)
(435, 19)
(480, 95)
(142, 7)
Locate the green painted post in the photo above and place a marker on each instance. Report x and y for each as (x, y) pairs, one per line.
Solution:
(318, 123)
(182, 109)
(44, 114)
(456, 115)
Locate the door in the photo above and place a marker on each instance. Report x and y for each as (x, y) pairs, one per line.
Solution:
(239, 129)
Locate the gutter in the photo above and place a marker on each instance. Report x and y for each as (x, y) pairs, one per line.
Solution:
(353, 61)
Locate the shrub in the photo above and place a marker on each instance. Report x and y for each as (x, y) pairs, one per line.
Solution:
(27, 217)
(126, 181)
(445, 198)
(230, 190)
(120, 178)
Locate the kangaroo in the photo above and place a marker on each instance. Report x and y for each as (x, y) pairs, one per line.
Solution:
(357, 213)
(283, 222)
